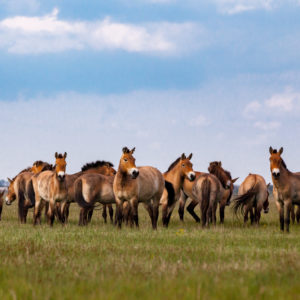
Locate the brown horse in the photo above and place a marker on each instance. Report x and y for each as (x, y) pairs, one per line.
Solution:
(17, 188)
(225, 179)
(252, 198)
(286, 187)
(1, 201)
(181, 169)
(50, 186)
(135, 185)
(208, 192)
(98, 167)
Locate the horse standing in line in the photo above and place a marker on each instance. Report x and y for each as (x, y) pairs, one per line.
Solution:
(252, 198)
(50, 186)
(286, 187)
(225, 179)
(17, 189)
(98, 167)
(181, 169)
(137, 185)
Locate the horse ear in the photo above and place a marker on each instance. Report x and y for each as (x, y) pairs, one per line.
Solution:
(271, 150)
(183, 156)
(9, 180)
(190, 156)
(235, 179)
(220, 163)
(65, 155)
(132, 150)
(280, 150)
(268, 185)
(56, 154)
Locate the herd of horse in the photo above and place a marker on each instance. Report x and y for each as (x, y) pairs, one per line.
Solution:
(48, 186)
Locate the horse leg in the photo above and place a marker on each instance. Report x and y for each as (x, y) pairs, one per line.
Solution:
(134, 207)
(252, 215)
(182, 202)
(293, 217)
(67, 211)
(104, 213)
(191, 208)
(25, 212)
(119, 213)
(50, 213)
(37, 211)
(149, 209)
(165, 214)
(80, 223)
(1, 206)
(281, 214)
(222, 213)
(111, 213)
(287, 214)
(298, 214)
(90, 214)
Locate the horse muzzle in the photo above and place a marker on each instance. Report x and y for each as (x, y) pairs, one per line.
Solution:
(7, 202)
(266, 210)
(276, 173)
(192, 176)
(134, 173)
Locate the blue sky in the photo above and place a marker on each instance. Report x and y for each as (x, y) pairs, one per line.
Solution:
(217, 78)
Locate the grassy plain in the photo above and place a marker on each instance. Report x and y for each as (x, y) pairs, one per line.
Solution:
(182, 262)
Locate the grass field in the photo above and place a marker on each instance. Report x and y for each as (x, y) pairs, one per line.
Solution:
(182, 262)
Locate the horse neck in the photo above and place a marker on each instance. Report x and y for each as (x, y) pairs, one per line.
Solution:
(175, 178)
(283, 179)
(122, 177)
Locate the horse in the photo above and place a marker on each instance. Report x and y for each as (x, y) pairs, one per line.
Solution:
(207, 191)
(181, 169)
(227, 182)
(135, 185)
(252, 198)
(51, 187)
(98, 167)
(1, 201)
(90, 188)
(17, 188)
(286, 187)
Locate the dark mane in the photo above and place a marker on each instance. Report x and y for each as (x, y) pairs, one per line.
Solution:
(60, 155)
(47, 166)
(24, 170)
(282, 161)
(125, 150)
(218, 171)
(173, 164)
(96, 164)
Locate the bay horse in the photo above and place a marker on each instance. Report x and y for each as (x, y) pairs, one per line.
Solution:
(286, 187)
(207, 192)
(17, 188)
(98, 167)
(50, 186)
(179, 171)
(137, 185)
(225, 179)
(252, 198)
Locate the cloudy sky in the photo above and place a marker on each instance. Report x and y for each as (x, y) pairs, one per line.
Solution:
(218, 78)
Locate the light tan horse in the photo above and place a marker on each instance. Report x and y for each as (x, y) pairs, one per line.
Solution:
(91, 188)
(2, 192)
(137, 185)
(252, 198)
(98, 167)
(208, 192)
(50, 186)
(286, 187)
(17, 188)
(225, 179)
(178, 171)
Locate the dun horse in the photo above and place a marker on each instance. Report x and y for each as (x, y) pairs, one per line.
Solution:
(18, 188)
(98, 167)
(225, 179)
(135, 185)
(181, 169)
(252, 198)
(50, 186)
(286, 187)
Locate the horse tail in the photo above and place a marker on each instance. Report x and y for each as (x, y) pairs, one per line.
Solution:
(242, 200)
(205, 188)
(79, 197)
(171, 192)
(30, 192)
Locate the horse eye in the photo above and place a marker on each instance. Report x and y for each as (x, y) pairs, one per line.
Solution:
(125, 160)
(183, 165)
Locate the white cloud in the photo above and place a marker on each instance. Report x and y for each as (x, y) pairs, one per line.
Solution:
(239, 6)
(251, 108)
(49, 34)
(284, 101)
(267, 125)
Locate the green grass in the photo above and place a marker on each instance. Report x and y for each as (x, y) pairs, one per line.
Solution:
(182, 262)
